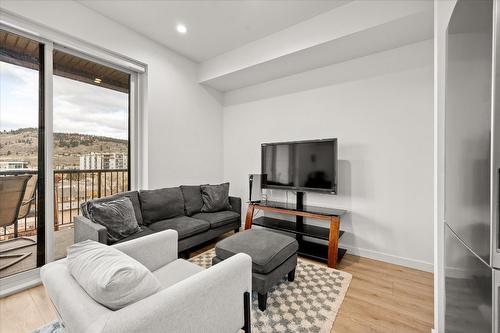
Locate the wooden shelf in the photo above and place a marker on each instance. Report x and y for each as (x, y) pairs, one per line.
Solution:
(318, 251)
(290, 226)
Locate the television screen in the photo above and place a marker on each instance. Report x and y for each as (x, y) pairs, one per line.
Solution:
(301, 165)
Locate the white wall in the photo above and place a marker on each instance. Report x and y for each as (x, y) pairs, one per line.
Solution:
(184, 118)
(384, 124)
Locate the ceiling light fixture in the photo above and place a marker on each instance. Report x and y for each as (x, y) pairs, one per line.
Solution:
(181, 28)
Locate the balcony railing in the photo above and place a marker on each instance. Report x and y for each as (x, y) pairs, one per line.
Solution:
(71, 189)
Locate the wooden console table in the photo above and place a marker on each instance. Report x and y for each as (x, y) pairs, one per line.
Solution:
(330, 254)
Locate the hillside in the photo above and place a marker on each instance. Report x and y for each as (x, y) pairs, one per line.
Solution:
(22, 145)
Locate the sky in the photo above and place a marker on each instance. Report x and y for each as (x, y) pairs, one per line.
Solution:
(78, 107)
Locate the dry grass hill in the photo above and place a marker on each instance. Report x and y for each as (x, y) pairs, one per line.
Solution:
(22, 145)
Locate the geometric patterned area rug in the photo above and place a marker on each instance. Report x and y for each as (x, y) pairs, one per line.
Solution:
(309, 304)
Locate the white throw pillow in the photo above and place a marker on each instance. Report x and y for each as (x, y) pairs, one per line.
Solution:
(109, 276)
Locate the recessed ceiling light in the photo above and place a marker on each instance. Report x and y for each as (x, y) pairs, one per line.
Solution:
(181, 28)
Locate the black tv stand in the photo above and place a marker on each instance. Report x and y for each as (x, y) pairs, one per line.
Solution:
(330, 254)
(299, 220)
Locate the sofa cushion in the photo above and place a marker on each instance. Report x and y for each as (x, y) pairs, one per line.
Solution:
(215, 198)
(176, 271)
(161, 204)
(268, 249)
(132, 195)
(116, 215)
(218, 219)
(109, 276)
(143, 232)
(184, 225)
(192, 199)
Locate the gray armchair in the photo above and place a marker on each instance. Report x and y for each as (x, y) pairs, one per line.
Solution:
(193, 299)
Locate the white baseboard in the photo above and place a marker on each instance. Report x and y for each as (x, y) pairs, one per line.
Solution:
(15, 283)
(392, 259)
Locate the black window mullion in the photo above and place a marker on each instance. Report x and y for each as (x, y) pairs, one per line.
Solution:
(40, 245)
(128, 144)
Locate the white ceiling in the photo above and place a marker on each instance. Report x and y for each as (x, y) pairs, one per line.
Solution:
(214, 27)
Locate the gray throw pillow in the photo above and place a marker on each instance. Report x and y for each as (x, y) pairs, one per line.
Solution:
(161, 204)
(192, 199)
(215, 198)
(109, 276)
(117, 216)
(132, 195)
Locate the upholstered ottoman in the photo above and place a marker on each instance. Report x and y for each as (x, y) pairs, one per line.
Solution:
(273, 255)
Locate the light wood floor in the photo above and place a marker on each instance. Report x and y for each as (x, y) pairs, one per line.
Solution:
(385, 298)
(381, 298)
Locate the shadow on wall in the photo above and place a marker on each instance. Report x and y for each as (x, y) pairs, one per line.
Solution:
(344, 178)
(358, 189)
(355, 240)
(416, 55)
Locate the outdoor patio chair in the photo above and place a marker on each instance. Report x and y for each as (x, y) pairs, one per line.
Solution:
(28, 198)
(13, 201)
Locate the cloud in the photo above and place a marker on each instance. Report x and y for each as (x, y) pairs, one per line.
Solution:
(83, 108)
(78, 107)
(18, 97)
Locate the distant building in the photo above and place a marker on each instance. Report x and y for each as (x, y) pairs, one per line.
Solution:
(13, 165)
(105, 161)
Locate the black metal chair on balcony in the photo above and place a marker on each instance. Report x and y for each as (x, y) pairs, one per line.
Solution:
(16, 196)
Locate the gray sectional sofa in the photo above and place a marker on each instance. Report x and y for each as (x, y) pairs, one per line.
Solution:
(177, 208)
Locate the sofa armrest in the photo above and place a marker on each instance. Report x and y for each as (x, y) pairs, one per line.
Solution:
(210, 301)
(235, 204)
(86, 229)
(76, 310)
(153, 251)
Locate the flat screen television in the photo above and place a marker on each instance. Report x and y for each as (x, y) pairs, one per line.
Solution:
(300, 165)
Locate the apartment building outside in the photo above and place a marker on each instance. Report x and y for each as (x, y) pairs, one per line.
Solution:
(13, 165)
(104, 161)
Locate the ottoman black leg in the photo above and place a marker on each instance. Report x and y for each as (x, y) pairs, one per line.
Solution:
(262, 301)
(291, 275)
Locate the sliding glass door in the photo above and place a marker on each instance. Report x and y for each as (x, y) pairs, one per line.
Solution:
(22, 185)
(91, 137)
(66, 123)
